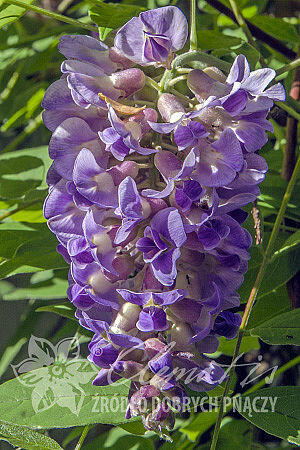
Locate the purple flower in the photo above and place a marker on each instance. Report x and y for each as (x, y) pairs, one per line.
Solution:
(240, 87)
(66, 142)
(94, 182)
(122, 138)
(254, 83)
(218, 163)
(153, 36)
(161, 244)
(227, 324)
(132, 208)
(153, 316)
(59, 105)
(155, 243)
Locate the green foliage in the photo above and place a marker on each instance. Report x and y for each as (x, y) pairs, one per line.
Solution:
(26, 438)
(11, 13)
(46, 398)
(282, 329)
(109, 16)
(211, 39)
(278, 28)
(283, 419)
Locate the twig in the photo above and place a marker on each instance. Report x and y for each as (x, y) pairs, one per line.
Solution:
(257, 223)
(83, 436)
(51, 14)
(256, 32)
(292, 65)
(193, 32)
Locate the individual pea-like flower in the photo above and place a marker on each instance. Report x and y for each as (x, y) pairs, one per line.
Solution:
(161, 244)
(123, 137)
(154, 36)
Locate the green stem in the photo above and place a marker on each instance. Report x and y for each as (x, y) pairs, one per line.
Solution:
(183, 70)
(176, 80)
(83, 436)
(292, 65)
(150, 82)
(204, 58)
(51, 14)
(183, 97)
(226, 391)
(266, 259)
(193, 32)
(289, 110)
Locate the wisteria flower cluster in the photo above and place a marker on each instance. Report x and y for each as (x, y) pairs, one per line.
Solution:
(145, 198)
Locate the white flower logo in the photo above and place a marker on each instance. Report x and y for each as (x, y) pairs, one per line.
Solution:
(60, 376)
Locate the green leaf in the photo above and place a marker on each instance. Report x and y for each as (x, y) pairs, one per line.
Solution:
(227, 346)
(117, 439)
(22, 171)
(235, 434)
(282, 329)
(11, 13)
(111, 15)
(281, 269)
(64, 310)
(212, 39)
(200, 424)
(26, 438)
(292, 242)
(250, 52)
(276, 27)
(39, 254)
(283, 421)
(61, 396)
(272, 304)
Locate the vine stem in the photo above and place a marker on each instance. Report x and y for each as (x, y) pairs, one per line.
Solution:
(289, 110)
(177, 79)
(150, 82)
(292, 65)
(83, 436)
(51, 14)
(193, 32)
(242, 23)
(266, 259)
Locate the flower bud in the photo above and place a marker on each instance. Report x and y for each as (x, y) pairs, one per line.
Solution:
(142, 117)
(126, 318)
(124, 265)
(129, 80)
(141, 400)
(181, 333)
(200, 83)
(215, 73)
(170, 107)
